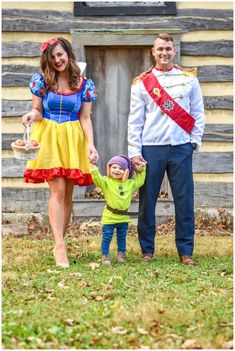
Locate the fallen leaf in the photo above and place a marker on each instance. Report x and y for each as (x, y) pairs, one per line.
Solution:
(190, 344)
(76, 274)
(69, 321)
(61, 284)
(94, 265)
(228, 345)
(49, 297)
(114, 277)
(53, 271)
(98, 298)
(119, 330)
(85, 300)
(142, 331)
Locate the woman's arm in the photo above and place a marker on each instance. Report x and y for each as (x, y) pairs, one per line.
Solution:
(36, 113)
(85, 120)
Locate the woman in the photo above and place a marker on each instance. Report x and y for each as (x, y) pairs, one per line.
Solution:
(62, 101)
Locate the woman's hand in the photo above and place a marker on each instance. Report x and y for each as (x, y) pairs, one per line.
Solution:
(92, 154)
(28, 118)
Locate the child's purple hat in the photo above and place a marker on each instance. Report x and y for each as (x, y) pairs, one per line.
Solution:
(124, 162)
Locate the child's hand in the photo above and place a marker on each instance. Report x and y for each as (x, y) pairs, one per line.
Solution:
(138, 163)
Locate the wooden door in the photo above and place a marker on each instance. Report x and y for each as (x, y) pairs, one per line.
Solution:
(112, 69)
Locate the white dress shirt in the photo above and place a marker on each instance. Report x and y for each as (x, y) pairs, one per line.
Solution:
(149, 125)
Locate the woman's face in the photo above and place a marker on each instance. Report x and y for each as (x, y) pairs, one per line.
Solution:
(59, 58)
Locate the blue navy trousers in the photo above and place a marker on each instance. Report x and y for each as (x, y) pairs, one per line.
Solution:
(177, 162)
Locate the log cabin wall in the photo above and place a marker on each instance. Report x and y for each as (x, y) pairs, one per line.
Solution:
(205, 30)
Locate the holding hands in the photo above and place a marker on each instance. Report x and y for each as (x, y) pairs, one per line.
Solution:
(92, 154)
(138, 163)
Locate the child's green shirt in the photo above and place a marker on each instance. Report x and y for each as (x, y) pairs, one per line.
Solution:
(117, 194)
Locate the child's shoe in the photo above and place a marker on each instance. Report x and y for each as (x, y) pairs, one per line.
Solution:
(106, 260)
(120, 257)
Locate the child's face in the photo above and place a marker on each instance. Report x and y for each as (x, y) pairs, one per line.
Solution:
(116, 171)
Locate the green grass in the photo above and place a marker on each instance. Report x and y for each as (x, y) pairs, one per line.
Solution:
(157, 305)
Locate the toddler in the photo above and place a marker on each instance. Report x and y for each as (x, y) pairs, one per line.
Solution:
(117, 188)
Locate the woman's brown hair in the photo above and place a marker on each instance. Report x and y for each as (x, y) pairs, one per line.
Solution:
(50, 75)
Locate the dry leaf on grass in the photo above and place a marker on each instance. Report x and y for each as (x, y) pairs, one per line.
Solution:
(142, 331)
(119, 330)
(98, 298)
(53, 271)
(228, 345)
(69, 321)
(61, 284)
(76, 274)
(190, 344)
(94, 265)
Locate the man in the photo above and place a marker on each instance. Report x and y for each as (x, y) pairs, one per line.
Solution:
(165, 125)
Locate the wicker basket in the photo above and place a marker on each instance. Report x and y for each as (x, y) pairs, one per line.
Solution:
(27, 152)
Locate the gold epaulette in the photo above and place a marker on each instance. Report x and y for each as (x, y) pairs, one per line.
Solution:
(188, 72)
(138, 78)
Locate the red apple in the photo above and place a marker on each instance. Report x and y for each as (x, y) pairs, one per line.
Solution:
(34, 143)
(20, 142)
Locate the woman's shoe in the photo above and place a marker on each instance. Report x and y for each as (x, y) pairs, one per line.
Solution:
(61, 258)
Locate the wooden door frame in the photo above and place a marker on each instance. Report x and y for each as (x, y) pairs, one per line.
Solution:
(120, 37)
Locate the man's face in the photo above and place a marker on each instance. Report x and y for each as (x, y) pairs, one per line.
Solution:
(163, 52)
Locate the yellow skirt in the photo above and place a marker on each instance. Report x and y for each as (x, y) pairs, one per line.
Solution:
(63, 153)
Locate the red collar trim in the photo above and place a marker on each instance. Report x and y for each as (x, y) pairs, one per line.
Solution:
(71, 92)
(164, 70)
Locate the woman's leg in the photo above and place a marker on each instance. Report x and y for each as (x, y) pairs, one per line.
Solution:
(68, 203)
(56, 216)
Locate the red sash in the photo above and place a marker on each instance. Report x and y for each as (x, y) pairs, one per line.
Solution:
(167, 103)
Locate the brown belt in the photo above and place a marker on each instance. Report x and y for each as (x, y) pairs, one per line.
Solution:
(122, 212)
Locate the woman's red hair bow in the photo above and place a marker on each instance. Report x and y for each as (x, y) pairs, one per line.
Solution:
(44, 46)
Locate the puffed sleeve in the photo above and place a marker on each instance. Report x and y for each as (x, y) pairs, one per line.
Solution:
(37, 85)
(89, 91)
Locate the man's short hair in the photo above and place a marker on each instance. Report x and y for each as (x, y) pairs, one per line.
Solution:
(165, 36)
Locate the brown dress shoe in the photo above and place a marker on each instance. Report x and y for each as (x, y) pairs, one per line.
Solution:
(147, 257)
(187, 260)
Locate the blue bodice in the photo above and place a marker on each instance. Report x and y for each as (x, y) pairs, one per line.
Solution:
(61, 107)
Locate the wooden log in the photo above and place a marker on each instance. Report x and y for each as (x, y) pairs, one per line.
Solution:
(203, 162)
(222, 48)
(7, 139)
(18, 20)
(15, 108)
(20, 49)
(213, 162)
(20, 75)
(217, 13)
(25, 199)
(213, 194)
(218, 102)
(213, 132)
(218, 132)
(17, 75)
(29, 200)
(220, 73)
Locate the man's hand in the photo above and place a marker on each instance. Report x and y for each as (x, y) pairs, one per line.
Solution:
(138, 163)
